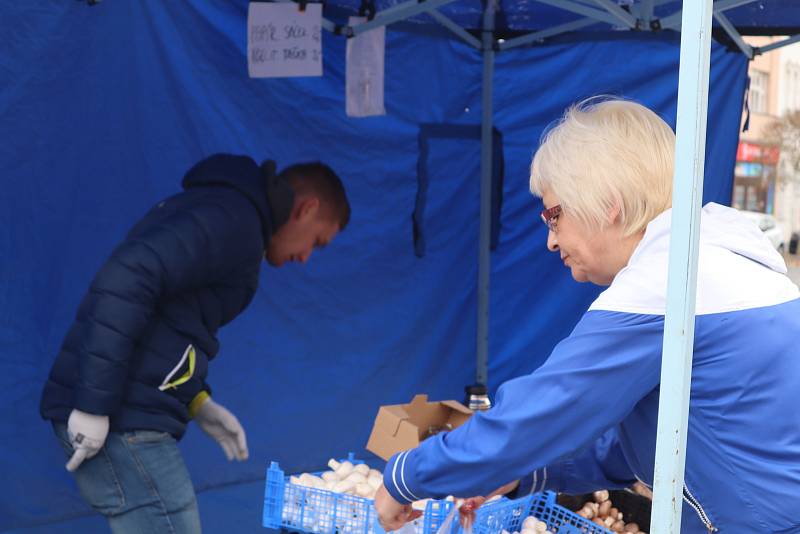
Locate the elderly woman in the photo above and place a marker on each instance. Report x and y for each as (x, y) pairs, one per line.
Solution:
(587, 418)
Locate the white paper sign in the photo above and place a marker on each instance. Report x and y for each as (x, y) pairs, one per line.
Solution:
(364, 77)
(283, 41)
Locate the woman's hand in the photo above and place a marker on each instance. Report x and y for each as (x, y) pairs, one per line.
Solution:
(391, 514)
(466, 514)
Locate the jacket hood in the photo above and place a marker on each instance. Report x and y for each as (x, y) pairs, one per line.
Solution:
(725, 227)
(271, 196)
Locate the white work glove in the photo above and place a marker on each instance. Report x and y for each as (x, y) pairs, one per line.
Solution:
(222, 425)
(87, 433)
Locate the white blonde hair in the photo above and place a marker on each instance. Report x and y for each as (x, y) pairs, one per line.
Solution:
(605, 154)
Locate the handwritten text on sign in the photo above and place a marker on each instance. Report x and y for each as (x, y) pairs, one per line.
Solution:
(364, 81)
(283, 41)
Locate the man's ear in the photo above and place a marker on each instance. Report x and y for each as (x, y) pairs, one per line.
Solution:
(305, 208)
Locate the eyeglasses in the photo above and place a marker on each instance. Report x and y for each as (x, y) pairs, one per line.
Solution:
(550, 217)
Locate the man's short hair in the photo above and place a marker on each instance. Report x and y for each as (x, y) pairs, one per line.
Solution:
(319, 180)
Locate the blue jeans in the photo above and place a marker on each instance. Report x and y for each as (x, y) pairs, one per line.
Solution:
(139, 482)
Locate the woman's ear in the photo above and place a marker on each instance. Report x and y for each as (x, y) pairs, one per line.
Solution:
(614, 214)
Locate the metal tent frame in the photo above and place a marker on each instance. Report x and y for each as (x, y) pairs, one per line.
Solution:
(694, 22)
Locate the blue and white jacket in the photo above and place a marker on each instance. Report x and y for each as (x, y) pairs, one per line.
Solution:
(587, 418)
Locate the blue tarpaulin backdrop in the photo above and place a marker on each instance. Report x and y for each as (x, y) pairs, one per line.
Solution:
(103, 109)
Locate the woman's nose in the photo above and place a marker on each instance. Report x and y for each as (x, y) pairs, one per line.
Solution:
(552, 241)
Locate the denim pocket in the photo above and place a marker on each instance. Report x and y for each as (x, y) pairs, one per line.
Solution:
(147, 436)
(96, 478)
(98, 482)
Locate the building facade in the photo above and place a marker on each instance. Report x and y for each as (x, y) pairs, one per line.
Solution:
(755, 178)
(764, 180)
(787, 207)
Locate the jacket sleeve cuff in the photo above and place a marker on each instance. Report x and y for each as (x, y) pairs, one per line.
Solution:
(197, 402)
(399, 478)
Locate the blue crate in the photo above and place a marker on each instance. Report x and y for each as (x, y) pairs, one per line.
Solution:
(561, 520)
(508, 515)
(302, 509)
(504, 514)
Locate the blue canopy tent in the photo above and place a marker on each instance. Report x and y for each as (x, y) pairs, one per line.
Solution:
(104, 108)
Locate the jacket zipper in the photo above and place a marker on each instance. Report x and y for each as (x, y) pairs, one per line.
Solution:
(689, 498)
(691, 501)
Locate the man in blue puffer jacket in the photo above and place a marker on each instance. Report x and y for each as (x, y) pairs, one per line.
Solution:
(131, 372)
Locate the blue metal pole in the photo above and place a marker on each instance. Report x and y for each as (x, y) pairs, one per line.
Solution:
(396, 13)
(541, 35)
(484, 265)
(456, 29)
(729, 28)
(676, 364)
(779, 44)
(582, 9)
(674, 21)
(647, 8)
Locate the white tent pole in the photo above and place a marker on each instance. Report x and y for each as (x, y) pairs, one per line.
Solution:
(676, 364)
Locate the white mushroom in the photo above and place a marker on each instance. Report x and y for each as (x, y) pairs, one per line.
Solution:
(364, 490)
(362, 468)
(344, 469)
(357, 477)
(344, 486)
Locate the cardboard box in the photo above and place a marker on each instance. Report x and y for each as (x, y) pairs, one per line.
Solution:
(400, 427)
